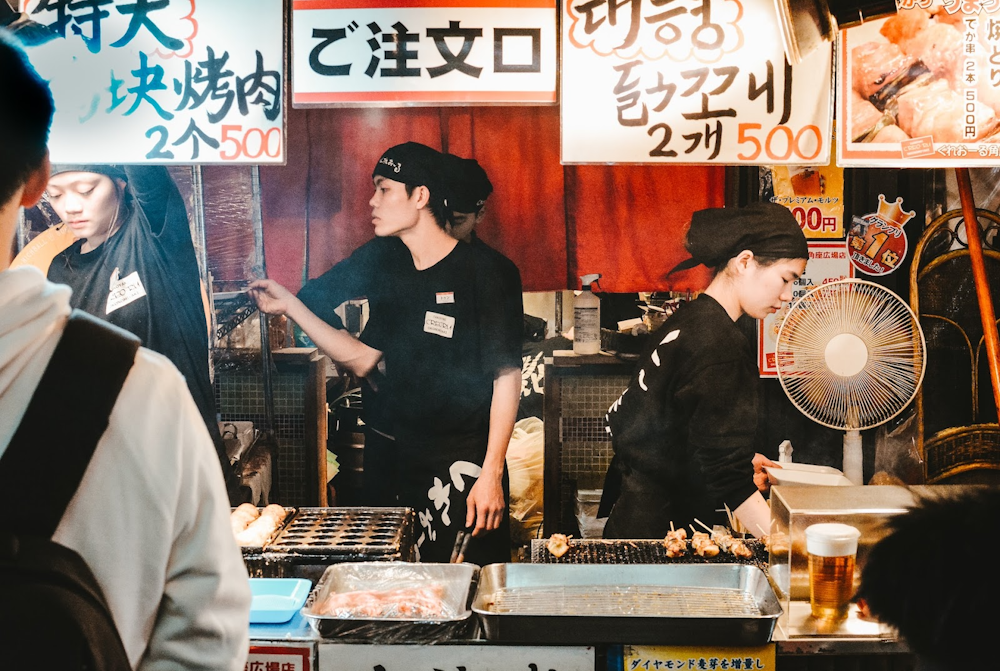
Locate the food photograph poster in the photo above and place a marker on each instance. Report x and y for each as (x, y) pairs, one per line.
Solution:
(921, 88)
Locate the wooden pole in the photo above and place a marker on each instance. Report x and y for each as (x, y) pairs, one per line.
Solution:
(974, 238)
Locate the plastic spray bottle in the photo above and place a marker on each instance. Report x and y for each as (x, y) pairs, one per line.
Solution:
(587, 318)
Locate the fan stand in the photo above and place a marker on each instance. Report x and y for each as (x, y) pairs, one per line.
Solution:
(846, 355)
(853, 457)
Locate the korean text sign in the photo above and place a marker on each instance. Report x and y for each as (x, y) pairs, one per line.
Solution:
(164, 81)
(922, 87)
(432, 52)
(689, 81)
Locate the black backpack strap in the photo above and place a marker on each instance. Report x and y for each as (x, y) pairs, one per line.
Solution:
(68, 413)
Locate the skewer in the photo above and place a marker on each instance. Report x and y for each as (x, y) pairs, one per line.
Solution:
(703, 524)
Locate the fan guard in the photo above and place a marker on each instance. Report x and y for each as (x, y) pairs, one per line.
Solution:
(850, 355)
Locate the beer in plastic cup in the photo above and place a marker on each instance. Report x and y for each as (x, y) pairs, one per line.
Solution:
(832, 550)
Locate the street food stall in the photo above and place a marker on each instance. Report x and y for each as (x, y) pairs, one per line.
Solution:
(604, 126)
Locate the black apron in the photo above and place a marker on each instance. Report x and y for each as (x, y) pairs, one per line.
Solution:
(434, 478)
(379, 486)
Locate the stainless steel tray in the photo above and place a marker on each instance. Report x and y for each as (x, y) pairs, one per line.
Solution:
(684, 604)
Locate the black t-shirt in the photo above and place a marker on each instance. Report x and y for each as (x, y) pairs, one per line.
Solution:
(684, 427)
(445, 331)
(145, 279)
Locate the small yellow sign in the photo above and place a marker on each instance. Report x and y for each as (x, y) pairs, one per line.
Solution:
(676, 658)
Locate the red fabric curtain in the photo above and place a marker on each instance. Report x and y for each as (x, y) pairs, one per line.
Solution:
(629, 223)
(554, 222)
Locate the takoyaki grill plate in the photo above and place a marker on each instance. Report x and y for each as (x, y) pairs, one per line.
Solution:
(355, 532)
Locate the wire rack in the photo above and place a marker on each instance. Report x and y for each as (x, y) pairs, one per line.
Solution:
(600, 551)
(635, 600)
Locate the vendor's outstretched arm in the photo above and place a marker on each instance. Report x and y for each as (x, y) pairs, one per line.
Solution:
(345, 350)
(486, 502)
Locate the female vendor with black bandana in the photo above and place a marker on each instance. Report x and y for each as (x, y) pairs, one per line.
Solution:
(683, 430)
(134, 265)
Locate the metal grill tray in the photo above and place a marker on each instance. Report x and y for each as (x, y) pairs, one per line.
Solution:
(599, 551)
(683, 604)
(356, 532)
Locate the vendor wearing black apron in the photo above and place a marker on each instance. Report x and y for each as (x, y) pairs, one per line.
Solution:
(451, 369)
(683, 430)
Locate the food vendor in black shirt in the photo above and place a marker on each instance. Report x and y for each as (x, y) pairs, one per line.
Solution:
(468, 187)
(134, 265)
(683, 430)
(451, 369)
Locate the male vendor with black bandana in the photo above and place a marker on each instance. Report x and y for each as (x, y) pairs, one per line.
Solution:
(683, 430)
(452, 368)
(466, 189)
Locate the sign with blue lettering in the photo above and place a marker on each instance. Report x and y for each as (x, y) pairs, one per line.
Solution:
(164, 81)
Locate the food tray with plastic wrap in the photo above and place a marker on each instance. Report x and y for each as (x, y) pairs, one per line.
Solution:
(682, 604)
(393, 602)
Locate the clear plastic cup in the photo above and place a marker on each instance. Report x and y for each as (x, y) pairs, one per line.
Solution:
(832, 550)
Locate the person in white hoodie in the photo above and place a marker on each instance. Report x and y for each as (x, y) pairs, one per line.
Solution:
(151, 516)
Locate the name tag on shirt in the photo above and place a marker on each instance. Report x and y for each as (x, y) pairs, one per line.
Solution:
(125, 291)
(439, 324)
(445, 297)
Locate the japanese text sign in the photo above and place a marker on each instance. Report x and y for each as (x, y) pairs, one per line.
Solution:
(164, 81)
(689, 81)
(815, 195)
(279, 657)
(828, 262)
(662, 658)
(473, 657)
(922, 87)
(429, 52)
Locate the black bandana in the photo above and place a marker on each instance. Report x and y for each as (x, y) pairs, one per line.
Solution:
(112, 171)
(766, 229)
(467, 186)
(411, 163)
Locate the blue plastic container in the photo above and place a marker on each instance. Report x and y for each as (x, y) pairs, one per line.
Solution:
(277, 600)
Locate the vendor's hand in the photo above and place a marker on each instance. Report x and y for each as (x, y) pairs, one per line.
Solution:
(485, 505)
(270, 296)
(760, 478)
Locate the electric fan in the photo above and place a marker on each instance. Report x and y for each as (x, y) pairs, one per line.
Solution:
(850, 355)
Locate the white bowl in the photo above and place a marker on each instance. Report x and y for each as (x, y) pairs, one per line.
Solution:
(806, 474)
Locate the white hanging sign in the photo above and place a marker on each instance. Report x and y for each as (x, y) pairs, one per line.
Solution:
(423, 52)
(689, 81)
(163, 81)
